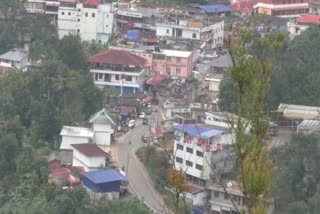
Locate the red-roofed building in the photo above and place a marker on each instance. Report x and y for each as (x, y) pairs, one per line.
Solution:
(89, 156)
(91, 2)
(156, 80)
(309, 19)
(120, 69)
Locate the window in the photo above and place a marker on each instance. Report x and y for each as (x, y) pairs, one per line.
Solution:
(86, 14)
(178, 71)
(69, 13)
(168, 71)
(78, 31)
(168, 58)
(117, 77)
(78, 20)
(96, 76)
(93, 15)
(200, 154)
(198, 166)
(100, 76)
(168, 31)
(189, 163)
(107, 25)
(214, 166)
(129, 78)
(194, 35)
(190, 150)
(179, 160)
(216, 194)
(62, 13)
(178, 59)
(79, 10)
(180, 147)
(225, 196)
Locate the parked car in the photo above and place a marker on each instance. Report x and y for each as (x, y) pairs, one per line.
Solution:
(142, 115)
(145, 121)
(131, 124)
(144, 139)
(148, 111)
(149, 105)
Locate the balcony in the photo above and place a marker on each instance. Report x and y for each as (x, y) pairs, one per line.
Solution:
(131, 71)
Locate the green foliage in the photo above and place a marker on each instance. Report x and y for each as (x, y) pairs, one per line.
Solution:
(296, 186)
(297, 77)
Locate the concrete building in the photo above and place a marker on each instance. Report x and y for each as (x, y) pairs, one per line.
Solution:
(119, 69)
(195, 147)
(210, 30)
(103, 125)
(89, 156)
(285, 8)
(35, 6)
(73, 135)
(172, 63)
(16, 58)
(90, 20)
(220, 201)
(52, 7)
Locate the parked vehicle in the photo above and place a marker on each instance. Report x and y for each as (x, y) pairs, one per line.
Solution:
(131, 124)
(142, 115)
(145, 121)
(144, 139)
(273, 129)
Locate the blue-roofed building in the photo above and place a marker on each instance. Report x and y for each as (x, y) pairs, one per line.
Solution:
(103, 183)
(197, 148)
(214, 9)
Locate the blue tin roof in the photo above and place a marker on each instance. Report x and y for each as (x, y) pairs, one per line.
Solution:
(198, 131)
(214, 8)
(104, 176)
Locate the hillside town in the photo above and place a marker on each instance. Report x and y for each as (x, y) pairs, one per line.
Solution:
(141, 101)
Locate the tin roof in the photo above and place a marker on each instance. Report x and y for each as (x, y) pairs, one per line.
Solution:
(89, 150)
(104, 176)
(198, 131)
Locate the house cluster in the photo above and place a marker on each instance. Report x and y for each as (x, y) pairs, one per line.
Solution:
(84, 159)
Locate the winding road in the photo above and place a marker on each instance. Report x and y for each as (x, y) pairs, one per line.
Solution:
(139, 180)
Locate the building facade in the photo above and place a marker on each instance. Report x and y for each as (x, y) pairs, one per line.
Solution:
(16, 58)
(194, 148)
(210, 31)
(90, 20)
(120, 69)
(283, 8)
(172, 63)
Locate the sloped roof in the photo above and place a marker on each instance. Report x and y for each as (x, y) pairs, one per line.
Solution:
(15, 54)
(246, 6)
(102, 117)
(309, 19)
(299, 111)
(223, 61)
(118, 57)
(156, 80)
(77, 131)
(104, 176)
(89, 150)
(198, 131)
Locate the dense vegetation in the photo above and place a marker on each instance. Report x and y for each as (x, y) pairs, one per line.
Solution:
(295, 79)
(296, 183)
(33, 107)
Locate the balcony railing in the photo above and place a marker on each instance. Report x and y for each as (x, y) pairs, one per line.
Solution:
(117, 68)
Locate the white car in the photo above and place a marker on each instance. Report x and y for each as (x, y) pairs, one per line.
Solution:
(142, 115)
(149, 105)
(131, 123)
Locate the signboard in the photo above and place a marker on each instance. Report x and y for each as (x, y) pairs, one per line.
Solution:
(131, 14)
(145, 26)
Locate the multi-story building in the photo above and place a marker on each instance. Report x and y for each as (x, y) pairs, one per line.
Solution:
(283, 8)
(172, 63)
(90, 20)
(119, 69)
(210, 30)
(197, 151)
(142, 19)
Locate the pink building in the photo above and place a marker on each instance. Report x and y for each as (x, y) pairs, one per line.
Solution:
(172, 63)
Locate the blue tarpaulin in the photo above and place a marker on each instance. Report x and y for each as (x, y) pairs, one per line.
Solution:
(133, 34)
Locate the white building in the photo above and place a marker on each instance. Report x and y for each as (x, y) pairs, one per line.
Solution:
(194, 148)
(90, 20)
(35, 6)
(103, 126)
(89, 156)
(15, 58)
(120, 69)
(211, 32)
(73, 135)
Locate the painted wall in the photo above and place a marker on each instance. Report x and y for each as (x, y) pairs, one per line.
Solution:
(68, 140)
(89, 163)
(164, 31)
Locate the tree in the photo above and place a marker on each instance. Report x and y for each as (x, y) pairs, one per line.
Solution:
(250, 74)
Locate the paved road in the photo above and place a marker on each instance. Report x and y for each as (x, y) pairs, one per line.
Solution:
(139, 180)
